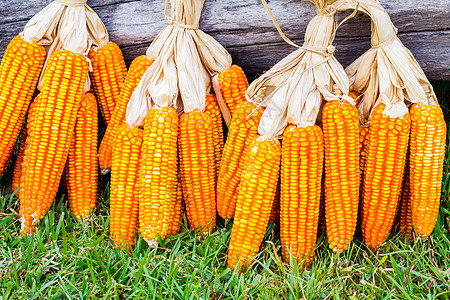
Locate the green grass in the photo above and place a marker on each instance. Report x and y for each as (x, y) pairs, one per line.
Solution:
(71, 260)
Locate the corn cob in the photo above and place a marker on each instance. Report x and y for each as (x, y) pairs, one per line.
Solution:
(53, 125)
(254, 201)
(22, 146)
(275, 212)
(301, 180)
(108, 73)
(404, 214)
(233, 83)
(137, 69)
(241, 132)
(176, 214)
(212, 107)
(197, 166)
(81, 169)
(124, 205)
(19, 72)
(383, 174)
(340, 128)
(158, 173)
(427, 151)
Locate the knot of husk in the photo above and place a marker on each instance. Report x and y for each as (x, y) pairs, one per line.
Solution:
(387, 72)
(66, 24)
(184, 59)
(292, 90)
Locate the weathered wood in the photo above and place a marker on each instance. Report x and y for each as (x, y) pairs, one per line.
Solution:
(244, 28)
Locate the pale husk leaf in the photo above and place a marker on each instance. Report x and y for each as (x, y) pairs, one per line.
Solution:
(387, 73)
(70, 25)
(294, 87)
(185, 58)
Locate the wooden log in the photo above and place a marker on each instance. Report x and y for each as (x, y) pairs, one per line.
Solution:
(245, 29)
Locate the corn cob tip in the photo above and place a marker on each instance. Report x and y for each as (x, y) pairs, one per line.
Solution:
(104, 171)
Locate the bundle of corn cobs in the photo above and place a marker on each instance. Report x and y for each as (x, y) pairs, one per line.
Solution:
(306, 138)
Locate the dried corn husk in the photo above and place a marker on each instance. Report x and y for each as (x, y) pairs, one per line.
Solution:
(387, 73)
(185, 58)
(66, 24)
(292, 90)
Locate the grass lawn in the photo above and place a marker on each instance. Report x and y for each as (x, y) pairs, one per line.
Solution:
(70, 260)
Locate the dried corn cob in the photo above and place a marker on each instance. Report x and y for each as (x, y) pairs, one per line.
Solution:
(383, 174)
(108, 73)
(19, 72)
(275, 212)
(233, 83)
(53, 126)
(427, 151)
(212, 107)
(301, 180)
(340, 128)
(242, 131)
(124, 205)
(137, 69)
(255, 199)
(81, 168)
(197, 166)
(158, 173)
(23, 144)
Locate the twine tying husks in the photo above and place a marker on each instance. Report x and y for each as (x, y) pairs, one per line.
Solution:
(66, 24)
(72, 2)
(184, 58)
(387, 73)
(292, 90)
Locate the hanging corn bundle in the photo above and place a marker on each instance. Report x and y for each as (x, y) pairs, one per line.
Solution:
(292, 92)
(173, 103)
(390, 79)
(66, 30)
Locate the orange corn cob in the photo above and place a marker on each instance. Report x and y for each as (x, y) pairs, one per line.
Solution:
(241, 132)
(108, 73)
(341, 135)
(383, 174)
(22, 146)
(53, 126)
(19, 72)
(198, 171)
(275, 212)
(158, 173)
(301, 180)
(212, 107)
(255, 199)
(137, 69)
(124, 205)
(233, 83)
(404, 214)
(81, 169)
(176, 214)
(427, 151)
